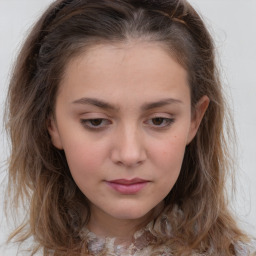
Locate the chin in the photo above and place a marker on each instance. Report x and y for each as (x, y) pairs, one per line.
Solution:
(130, 214)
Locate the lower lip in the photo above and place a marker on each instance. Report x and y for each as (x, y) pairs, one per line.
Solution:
(127, 189)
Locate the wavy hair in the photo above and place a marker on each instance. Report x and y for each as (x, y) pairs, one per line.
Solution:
(38, 172)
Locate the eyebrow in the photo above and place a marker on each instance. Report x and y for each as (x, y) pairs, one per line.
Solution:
(147, 106)
(160, 103)
(96, 102)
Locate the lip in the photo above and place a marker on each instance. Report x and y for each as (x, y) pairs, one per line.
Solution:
(128, 187)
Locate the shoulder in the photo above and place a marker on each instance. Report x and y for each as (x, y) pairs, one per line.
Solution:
(246, 249)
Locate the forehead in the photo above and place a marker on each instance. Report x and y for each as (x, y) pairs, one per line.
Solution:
(136, 67)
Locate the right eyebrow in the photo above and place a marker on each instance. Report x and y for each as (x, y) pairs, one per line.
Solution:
(96, 102)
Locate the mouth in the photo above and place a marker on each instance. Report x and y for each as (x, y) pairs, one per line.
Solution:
(128, 187)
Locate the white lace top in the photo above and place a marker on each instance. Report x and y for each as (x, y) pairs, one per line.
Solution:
(144, 242)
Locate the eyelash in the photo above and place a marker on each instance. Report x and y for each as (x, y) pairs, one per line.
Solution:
(87, 123)
(167, 122)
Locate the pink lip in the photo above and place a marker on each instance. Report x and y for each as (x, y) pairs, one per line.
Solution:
(128, 187)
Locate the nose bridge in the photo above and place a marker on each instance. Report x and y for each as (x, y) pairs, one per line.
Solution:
(129, 148)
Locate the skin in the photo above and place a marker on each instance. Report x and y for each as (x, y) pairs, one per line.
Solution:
(109, 129)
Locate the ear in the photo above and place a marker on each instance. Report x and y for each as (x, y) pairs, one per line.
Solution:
(197, 116)
(54, 133)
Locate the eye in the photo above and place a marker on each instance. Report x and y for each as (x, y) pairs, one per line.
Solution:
(94, 124)
(160, 122)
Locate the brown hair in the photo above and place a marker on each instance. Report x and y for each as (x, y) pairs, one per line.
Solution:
(39, 172)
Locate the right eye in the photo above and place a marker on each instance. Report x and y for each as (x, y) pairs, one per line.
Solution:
(96, 123)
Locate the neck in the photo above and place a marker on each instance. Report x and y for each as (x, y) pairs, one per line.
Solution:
(123, 230)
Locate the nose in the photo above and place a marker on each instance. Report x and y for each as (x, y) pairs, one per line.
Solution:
(128, 147)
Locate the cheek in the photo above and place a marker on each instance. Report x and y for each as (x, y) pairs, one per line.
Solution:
(84, 158)
(174, 150)
(168, 155)
(171, 148)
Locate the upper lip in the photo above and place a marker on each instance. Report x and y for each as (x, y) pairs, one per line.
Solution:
(128, 182)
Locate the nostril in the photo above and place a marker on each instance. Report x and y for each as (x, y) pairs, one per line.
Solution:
(128, 148)
(128, 158)
(129, 165)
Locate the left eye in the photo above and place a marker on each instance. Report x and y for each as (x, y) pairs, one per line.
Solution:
(95, 123)
(160, 121)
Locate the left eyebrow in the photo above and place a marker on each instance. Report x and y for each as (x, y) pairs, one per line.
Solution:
(160, 103)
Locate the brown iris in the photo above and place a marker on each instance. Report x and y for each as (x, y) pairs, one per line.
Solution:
(158, 120)
(96, 122)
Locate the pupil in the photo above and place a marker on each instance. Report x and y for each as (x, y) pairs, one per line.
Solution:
(96, 122)
(157, 121)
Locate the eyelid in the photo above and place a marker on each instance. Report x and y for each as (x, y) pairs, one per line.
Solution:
(168, 120)
(87, 123)
(93, 115)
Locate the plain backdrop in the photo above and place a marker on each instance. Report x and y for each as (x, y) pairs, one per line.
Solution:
(233, 25)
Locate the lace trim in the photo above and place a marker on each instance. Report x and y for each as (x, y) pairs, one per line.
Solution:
(148, 242)
(143, 242)
(248, 249)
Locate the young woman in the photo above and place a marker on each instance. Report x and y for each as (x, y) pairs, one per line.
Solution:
(116, 120)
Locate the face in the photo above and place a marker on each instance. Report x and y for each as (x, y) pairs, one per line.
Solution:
(123, 117)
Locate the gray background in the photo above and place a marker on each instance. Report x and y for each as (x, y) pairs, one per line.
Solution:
(233, 24)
